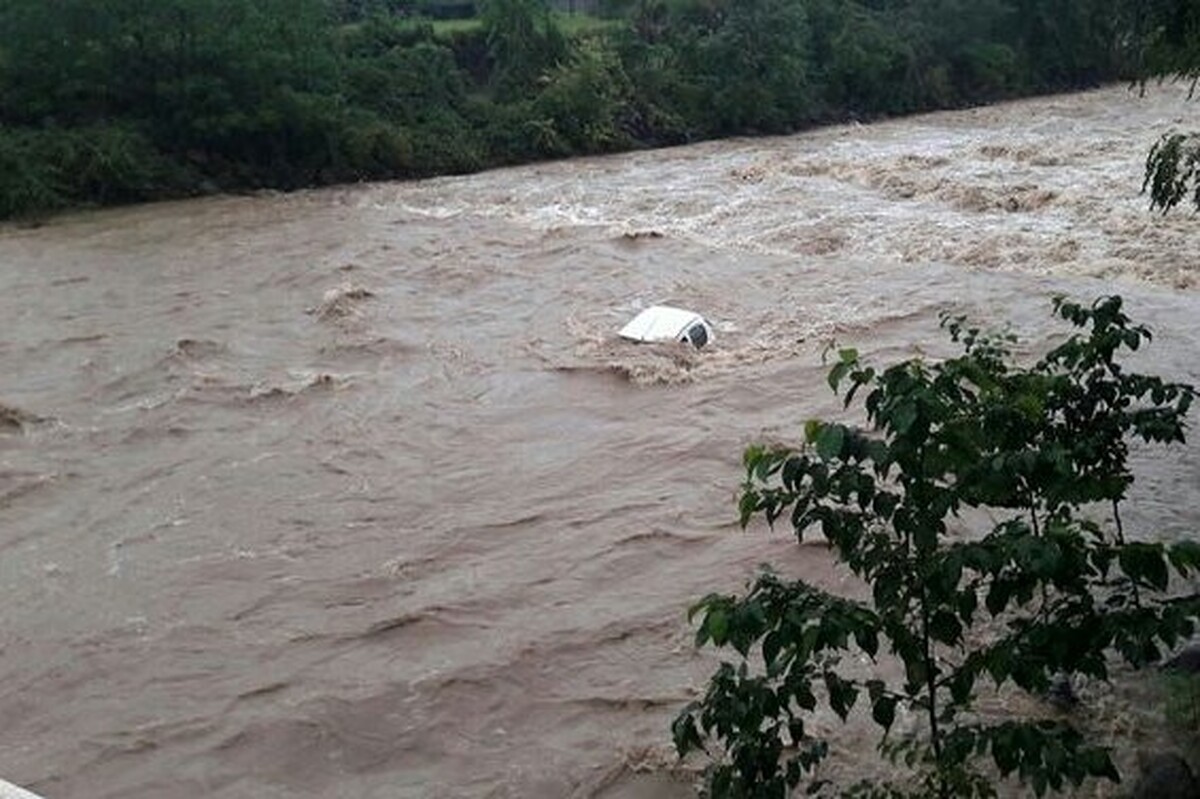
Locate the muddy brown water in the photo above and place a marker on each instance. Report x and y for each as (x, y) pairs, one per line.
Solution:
(354, 492)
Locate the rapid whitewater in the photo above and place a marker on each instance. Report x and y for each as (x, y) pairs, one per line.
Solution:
(356, 493)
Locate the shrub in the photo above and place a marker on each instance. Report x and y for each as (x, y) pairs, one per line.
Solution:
(586, 101)
(1039, 447)
(524, 43)
(48, 169)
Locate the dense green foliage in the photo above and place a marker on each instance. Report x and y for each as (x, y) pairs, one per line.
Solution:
(1049, 590)
(119, 100)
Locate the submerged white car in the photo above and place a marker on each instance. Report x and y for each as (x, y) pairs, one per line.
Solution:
(664, 323)
(10, 791)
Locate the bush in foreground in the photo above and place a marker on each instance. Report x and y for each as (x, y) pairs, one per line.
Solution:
(1043, 448)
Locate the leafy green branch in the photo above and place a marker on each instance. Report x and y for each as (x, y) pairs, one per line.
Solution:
(1061, 593)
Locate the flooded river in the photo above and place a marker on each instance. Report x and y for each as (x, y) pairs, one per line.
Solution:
(355, 493)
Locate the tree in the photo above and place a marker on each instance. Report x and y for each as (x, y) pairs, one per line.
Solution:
(1170, 39)
(1040, 447)
(524, 41)
(584, 102)
(744, 63)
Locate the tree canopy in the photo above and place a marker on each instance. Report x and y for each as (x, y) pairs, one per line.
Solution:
(106, 101)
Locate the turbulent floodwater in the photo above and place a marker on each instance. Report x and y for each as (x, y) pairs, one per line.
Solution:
(354, 492)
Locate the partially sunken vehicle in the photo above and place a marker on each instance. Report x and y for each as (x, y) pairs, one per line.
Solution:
(664, 323)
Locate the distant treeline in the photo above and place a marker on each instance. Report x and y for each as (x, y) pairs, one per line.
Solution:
(111, 101)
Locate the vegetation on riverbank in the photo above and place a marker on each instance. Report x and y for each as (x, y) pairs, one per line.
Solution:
(111, 101)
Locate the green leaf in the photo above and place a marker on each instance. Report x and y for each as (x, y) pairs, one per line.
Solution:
(916, 670)
(885, 504)
(752, 456)
(747, 505)
(795, 729)
(945, 627)
(999, 663)
(837, 374)
(772, 645)
(842, 694)
(716, 624)
(1185, 557)
(968, 601)
(904, 417)
(1145, 563)
(961, 685)
(1098, 763)
(805, 698)
(1004, 750)
(997, 597)
(685, 734)
(829, 441)
(867, 640)
(884, 711)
